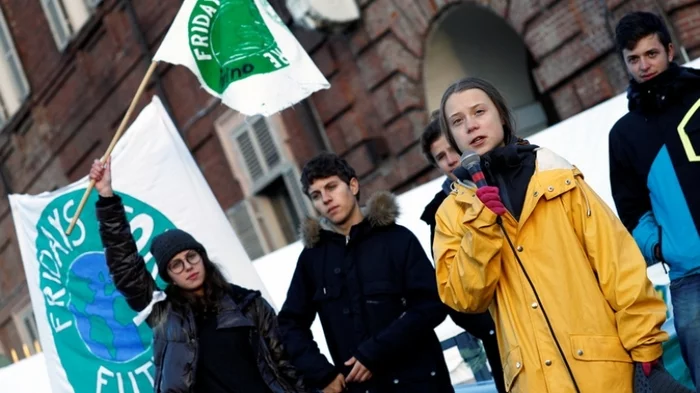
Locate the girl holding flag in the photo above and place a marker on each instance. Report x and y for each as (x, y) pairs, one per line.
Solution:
(209, 335)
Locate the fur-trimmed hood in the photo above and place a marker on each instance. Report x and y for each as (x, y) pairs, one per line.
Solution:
(381, 210)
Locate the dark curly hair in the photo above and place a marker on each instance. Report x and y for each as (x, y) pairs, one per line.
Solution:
(326, 165)
(430, 135)
(637, 25)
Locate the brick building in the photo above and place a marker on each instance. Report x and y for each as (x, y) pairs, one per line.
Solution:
(70, 68)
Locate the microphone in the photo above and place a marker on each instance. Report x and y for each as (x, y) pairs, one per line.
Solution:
(472, 163)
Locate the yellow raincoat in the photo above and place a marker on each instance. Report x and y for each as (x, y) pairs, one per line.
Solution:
(587, 271)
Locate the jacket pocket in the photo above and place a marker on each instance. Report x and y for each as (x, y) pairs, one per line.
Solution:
(327, 294)
(381, 290)
(599, 349)
(384, 304)
(512, 366)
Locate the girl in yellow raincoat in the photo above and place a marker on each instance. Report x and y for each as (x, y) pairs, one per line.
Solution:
(567, 287)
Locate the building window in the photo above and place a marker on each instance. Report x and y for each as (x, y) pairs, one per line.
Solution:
(14, 87)
(274, 206)
(26, 326)
(67, 17)
(4, 357)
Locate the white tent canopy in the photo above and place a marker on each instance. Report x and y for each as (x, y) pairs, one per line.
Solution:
(582, 139)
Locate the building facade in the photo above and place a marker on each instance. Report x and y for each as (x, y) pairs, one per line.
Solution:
(70, 67)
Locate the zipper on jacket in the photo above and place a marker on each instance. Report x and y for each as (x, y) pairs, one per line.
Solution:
(588, 204)
(539, 301)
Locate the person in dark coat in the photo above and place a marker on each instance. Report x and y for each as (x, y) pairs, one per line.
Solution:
(655, 167)
(439, 153)
(209, 336)
(373, 287)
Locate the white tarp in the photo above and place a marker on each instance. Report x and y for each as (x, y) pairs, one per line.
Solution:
(92, 341)
(26, 376)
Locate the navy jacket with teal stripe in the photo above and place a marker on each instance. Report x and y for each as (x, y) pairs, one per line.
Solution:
(655, 168)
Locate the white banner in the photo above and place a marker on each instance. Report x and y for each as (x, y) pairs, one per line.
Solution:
(92, 341)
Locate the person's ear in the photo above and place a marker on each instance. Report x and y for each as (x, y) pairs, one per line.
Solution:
(354, 186)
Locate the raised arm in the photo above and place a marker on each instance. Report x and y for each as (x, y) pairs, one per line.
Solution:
(126, 266)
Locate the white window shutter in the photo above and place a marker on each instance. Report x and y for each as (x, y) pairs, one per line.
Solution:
(294, 188)
(93, 3)
(58, 22)
(242, 220)
(9, 91)
(250, 156)
(266, 142)
(3, 120)
(78, 13)
(14, 87)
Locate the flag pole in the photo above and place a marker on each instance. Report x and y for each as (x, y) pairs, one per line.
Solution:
(116, 137)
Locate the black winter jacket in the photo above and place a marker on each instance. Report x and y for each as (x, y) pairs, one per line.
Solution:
(174, 333)
(376, 295)
(655, 167)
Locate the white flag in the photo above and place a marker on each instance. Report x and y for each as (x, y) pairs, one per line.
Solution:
(93, 342)
(242, 52)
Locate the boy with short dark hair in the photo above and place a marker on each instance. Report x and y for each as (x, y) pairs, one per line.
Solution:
(373, 288)
(655, 167)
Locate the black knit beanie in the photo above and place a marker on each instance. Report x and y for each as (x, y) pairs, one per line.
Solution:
(170, 243)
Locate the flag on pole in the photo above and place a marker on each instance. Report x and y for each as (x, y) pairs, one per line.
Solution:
(93, 342)
(242, 52)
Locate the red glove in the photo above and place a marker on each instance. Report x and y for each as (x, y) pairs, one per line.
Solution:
(490, 198)
(648, 366)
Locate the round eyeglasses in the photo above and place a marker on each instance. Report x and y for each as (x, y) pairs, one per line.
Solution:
(177, 266)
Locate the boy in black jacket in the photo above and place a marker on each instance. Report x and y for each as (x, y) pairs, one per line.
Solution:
(655, 167)
(372, 286)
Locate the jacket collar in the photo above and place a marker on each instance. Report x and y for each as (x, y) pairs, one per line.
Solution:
(381, 210)
(232, 312)
(553, 176)
(655, 94)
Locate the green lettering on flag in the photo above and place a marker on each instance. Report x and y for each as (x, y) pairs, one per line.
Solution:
(230, 41)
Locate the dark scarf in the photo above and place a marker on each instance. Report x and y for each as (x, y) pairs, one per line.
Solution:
(510, 168)
(656, 94)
